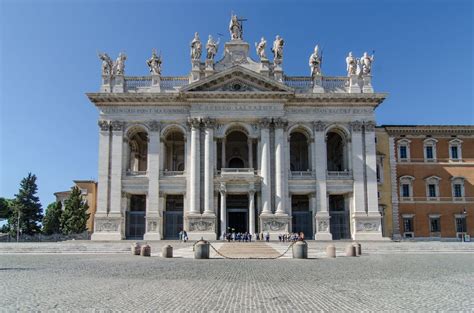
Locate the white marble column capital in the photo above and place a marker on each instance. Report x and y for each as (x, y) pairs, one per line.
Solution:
(117, 125)
(104, 125)
(194, 123)
(356, 126)
(319, 126)
(154, 126)
(209, 123)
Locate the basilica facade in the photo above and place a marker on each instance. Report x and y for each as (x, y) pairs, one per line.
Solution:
(237, 145)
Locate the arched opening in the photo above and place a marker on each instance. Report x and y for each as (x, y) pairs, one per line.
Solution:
(299, 152)
(236, 163)
(138, 147)
(174, 151)
(336, 152)
(236, 150)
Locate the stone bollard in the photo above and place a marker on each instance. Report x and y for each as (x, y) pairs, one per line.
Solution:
(201, 249)
(145, 251)
(358, 248)
(331, 251)
(351, 250)
(135, 249)
(167, 251)
(300, 250)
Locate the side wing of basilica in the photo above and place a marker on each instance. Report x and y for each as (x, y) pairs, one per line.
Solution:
(237, 145)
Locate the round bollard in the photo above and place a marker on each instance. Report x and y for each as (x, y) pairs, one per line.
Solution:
(358, 248)
(201, 249)
(350, 250)
(167, 251)
(145, 251)
(331, 251)
(135, 249)
(300, 250)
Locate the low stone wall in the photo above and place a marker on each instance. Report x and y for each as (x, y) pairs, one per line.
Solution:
(45, 238)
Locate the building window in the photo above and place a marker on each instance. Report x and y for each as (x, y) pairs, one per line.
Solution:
(455, 150)
(404, 150)
(379, 169)
(435, 225)
(432, 187)
(430, 149)
(408, 229)
(458, 188)
(461, 226)
(406, 188)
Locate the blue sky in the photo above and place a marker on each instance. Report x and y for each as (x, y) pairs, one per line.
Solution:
(48, 61)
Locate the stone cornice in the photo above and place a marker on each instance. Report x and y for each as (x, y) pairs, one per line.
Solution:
(434, 130)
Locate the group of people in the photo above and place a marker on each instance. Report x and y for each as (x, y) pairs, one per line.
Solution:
(291, 237)
(245, 237)
(183, 236)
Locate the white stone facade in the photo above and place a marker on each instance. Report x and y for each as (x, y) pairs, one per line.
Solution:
(237, 144)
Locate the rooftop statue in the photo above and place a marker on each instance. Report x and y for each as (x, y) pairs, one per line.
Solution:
(119, 64)
(366, 63)
(107, 64)
(278, 50)
(154, 63)
(351, 63)
(235, 28)
(211, 47)
(260, 47)
(315, 61)
(196, 47)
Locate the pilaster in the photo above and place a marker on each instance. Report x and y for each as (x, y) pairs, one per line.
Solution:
(209, 167)
(153, 217)
(265, 166)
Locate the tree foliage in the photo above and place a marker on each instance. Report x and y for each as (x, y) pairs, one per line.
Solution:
(26, 208)
(52, 219)
(74, 217)
(6, 207)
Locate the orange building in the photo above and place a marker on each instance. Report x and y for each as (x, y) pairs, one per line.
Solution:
(432, 181)
(88, 190)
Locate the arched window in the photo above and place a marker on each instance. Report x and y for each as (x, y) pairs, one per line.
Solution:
(174, 154)
(299, 152)
(236, 150)
(336, 152)
(138, 151)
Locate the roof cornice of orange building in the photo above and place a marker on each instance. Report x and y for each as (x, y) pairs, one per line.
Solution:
(434, 130)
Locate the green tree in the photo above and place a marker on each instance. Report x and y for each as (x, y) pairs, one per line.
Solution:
(75, 216)
(26, 208)
(6, 207)
(52, 219)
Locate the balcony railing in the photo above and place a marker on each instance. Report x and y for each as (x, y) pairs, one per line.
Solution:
(172, 173)
(136, 173)
(301, 174)
(330, 83)
(339, 174)
(135, 83)
(236, 170)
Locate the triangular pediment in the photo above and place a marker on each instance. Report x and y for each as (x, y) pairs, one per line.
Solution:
(237, 79)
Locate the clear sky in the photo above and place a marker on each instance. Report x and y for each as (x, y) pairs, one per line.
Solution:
(48, 61)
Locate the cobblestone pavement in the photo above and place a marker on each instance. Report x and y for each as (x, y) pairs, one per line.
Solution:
(421, 282)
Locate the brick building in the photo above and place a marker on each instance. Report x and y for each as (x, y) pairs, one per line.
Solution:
(432, 178)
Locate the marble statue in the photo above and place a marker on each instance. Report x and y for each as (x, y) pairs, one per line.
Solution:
(154, 63)
(235, 28)
(211, 48)
(315, 62)
(260, 47)
(119, 64)
(366, 63)
(107, 63)
(351, 63)
(196, 47)
(278, 50)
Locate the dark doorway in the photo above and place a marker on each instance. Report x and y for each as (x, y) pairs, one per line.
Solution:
(173, 216)
(135, 218)
(302, 217)
(236, 163)
(339, 221)
(237, 212)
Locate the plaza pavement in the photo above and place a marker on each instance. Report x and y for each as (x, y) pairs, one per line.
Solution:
(414, 276)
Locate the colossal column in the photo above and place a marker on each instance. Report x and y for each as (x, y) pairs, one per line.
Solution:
(223, 213)
(252, 210)
(323, 231)
(280, 173)
(194, 180)
(250, 150)
(358, 167)
(209, 167)
(265, 166)
(153, 221)
(116, 169)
